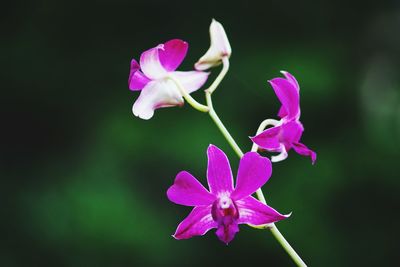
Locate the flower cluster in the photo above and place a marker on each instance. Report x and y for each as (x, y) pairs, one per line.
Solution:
(224, 206)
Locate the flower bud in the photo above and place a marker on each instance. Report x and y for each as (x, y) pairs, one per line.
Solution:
(219, 48)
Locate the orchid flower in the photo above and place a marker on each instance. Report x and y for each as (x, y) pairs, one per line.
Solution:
(219, 48)
(156, 77)
(223, 207)
(288, 131)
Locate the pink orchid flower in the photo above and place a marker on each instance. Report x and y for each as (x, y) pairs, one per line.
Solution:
(287, 133)
(223, 207)
(153, 78)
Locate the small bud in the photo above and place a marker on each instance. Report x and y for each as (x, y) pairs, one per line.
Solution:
(219, 48)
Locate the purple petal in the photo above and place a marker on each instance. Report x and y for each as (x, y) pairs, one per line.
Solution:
(268, 139)
(225, 213)
(219, 174)
(291, 79)
(226, 232)
(198, 222)
(288, 95)
(137, 80)
(305, 151)
(254, 171)
(252, 211)
(173, 54)
(156, 94)
(151, 65)
(188, 191)
(291, 133)
(191, 80)
(282, 112)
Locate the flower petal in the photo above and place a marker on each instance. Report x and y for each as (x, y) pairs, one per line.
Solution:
(173, 54)
(305, 151)
(282, 112)
(156, 94)
(198, 222)
(219, 47)
(254, 171)
(219, 39)
(137, 80)
(191, 80)
(254, 212)
(288, 95)
(219, 174)
(291, 133)
(226, 232)
(188, 191)
(291, 79)
(151, 65)
(268, 139)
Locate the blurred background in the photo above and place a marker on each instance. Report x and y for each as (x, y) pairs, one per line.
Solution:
(83, 181)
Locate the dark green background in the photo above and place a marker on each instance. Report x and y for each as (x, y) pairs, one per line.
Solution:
(83, 181)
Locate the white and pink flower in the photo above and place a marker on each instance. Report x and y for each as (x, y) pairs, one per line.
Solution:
(153, 78)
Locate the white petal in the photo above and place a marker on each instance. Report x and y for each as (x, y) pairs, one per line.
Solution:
(156, 94)
(151, 65)
(219, 38)
(219, 47)
(191, 80)
(205, 65)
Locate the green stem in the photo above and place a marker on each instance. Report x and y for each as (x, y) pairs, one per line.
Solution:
(272, 227)
(292, 253)
(221, 126)
(188, 97)
(221, 75)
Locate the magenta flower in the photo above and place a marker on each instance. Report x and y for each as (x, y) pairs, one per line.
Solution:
(224, 207)
(153, 78)
(287, 133)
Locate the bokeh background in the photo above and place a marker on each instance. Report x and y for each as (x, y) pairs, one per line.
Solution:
(83, 181)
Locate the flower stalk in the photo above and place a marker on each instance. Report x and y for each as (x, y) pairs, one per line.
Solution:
(196, 105)
(221, 126)
(221, 75)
